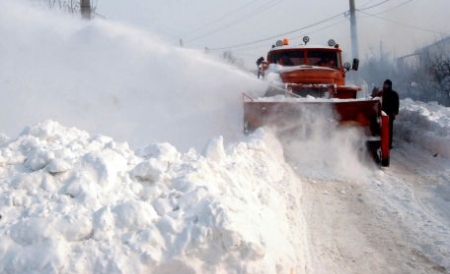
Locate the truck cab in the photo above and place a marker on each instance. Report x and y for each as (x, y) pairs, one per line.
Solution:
(310, 70)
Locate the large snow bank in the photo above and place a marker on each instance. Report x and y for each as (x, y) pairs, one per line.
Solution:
(425, 124)
(75, 203)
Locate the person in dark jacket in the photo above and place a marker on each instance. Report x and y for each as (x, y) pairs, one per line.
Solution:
(390, 105)
(259, 65)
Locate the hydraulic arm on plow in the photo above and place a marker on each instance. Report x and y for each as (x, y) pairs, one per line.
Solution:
(312, 77)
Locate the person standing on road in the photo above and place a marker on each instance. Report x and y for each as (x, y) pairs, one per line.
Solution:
(390, 105)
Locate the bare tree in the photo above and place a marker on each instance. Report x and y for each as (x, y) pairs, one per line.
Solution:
(423, 75)
(440, 73)
(375, 69)
(71, 6)
(431, 74)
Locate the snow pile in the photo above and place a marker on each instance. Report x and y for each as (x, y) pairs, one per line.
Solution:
(75, 203)
(425, 124)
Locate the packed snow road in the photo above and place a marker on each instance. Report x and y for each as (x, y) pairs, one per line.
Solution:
(395, 222)
(363, 219)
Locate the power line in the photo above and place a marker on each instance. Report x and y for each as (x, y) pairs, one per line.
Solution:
(292, 38)
(402, 24)
(281, 34)
(206, 25)
(396, 7)
(367, 3)
(252, 48)
(373, 6)
(340, 21)
(238, 20)
(327, 26)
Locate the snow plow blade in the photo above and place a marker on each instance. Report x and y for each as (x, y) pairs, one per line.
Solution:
(286, 114)
(258, 113)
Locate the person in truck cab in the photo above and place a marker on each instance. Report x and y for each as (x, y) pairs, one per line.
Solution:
(284, 60)
(331, 64)
(326, 62)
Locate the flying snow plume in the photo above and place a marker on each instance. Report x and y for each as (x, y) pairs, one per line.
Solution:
(319, 148)
(113, 79)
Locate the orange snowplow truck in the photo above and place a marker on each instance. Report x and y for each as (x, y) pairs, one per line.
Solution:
(313, 77)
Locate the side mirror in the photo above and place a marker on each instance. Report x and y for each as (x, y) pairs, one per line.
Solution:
(355, 64)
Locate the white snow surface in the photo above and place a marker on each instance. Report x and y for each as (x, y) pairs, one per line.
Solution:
(76, 203)
(190, 194)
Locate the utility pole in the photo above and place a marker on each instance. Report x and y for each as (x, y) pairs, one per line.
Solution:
(86, 11)
(353, 30)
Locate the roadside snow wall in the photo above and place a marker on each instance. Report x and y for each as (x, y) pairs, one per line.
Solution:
(425, 124)
(75, 203)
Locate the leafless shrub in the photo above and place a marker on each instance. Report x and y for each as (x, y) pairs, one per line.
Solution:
(71, 6)
(423, 75)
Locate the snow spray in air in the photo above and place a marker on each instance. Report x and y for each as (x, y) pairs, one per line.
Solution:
(317, 146)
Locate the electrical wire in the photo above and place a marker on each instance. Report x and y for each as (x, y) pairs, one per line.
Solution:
(396, 7)
(236, 21)
(373, 6)
(401, 24)
(252, 48)
(367, 3)
(208, 24)
(340, 21)
(278, 35)
(293, 38)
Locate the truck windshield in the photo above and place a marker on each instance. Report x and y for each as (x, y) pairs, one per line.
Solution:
(313, 57)
(323, 58)
(288, 58)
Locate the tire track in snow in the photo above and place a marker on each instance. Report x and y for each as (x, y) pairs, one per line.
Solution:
(347, 234)
(408, 186)
(384, 224)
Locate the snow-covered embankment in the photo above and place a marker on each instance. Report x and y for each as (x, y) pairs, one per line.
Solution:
(76, 203)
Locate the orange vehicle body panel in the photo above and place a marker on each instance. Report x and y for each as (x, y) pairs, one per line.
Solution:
(313, 76)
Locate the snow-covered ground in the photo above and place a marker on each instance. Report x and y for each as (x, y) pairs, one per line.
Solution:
(177, 188)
